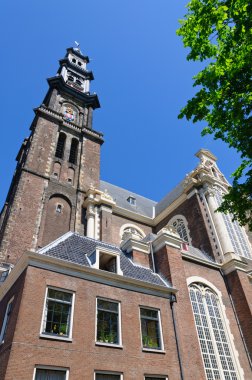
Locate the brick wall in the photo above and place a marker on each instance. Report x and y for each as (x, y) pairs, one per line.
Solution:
(82, 355)
(192, 211)
(170, 264)
(6, 348)
(241, 290)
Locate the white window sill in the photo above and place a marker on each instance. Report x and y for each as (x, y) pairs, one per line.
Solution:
(56, 337)
(113, 345)
(155, 350)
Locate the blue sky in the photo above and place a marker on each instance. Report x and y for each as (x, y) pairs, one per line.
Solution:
(142, 79)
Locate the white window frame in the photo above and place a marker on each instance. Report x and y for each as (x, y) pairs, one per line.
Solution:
(5, 321)
(179, 216)
(152, 349)
(111, 253)
(230, 338)
(108, 373)
(53, 368)
(43, 320)
(119, 344)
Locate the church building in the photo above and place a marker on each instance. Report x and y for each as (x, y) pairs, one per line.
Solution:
(100, 283)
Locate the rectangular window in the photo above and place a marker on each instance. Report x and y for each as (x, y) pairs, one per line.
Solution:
(154, 378)
(108, 322)
(107, 376)
(6, 320)
(150, 327)
(58, 313)
(50, 374)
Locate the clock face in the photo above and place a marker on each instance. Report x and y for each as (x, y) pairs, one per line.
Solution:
(69, 114)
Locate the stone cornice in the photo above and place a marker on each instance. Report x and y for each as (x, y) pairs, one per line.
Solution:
(167, 236)
(59, 118)
(133, 215)
(232, 263)
(86, 273)
(181, 199)
(86, 98)
(98, 197)
(132, 244)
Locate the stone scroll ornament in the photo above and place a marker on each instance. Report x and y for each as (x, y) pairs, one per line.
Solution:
(69, 114)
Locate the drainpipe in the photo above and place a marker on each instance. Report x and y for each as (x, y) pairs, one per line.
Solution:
(152, 257)
(236, 317)
(172, 300)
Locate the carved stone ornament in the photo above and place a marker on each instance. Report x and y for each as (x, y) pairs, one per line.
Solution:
(69, 114)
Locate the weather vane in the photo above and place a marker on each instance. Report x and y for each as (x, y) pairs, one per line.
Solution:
(77, 45)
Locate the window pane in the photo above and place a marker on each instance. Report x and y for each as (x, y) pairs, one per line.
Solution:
(47, 374)
(150, 328)
(58, 312)
(107, 322)
(107, 377)
(212, 336)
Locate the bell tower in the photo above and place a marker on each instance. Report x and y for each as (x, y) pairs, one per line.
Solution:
(56, 165)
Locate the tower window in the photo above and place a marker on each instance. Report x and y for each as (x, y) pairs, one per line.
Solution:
(78, 82)
(60, 145)
(132, 200)
(79, 63)
(70, 78)
(59, 208)
(74, 60)
(73, 151)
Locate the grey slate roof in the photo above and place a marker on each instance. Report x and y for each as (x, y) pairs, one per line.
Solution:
(169, 198)
(198, 254)
(74, 248)
(144, 206)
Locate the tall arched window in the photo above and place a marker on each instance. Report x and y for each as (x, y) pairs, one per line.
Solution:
(73, 151)
(213, 338)
(60, 145)
(180, 224)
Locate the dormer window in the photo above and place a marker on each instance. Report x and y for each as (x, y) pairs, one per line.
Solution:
(132, 200)
(106, 260)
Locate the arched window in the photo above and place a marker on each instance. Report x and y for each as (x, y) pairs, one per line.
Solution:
(131, 228)
(73, 151)
(213, 337)
(60, 145)
(180, 224)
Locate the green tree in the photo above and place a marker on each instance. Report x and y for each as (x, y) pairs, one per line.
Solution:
(219, 33)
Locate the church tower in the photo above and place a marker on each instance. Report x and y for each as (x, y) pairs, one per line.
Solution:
(56, 165)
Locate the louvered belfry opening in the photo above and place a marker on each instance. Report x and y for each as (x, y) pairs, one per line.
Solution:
(60, 145)
(73, 151)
